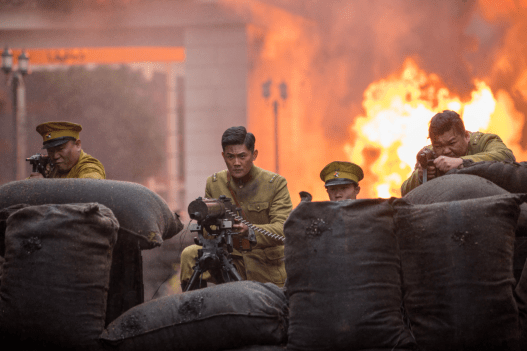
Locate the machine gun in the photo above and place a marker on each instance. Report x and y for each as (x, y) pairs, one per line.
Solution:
(426, 158)
(39, 163)
(216, 217)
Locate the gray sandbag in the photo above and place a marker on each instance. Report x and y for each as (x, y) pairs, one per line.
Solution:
(56, 276)
(456, 260)
(343, 277)
(141, 213)
(261, 348)
(520, 293)
(511, 176)
(453, 187)
(220, 317)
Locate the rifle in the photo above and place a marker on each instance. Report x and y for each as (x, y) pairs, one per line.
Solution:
(39, 163)
(426, 158)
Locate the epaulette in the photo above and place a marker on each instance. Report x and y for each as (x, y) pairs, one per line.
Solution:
(273, 178)
(477, 135)
(214, 177)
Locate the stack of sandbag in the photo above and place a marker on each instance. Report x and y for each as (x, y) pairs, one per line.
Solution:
(220, 317)
(511, 176)
(141, 213)
(454, 186)
(144, 217)
(456, 260)
(520, 293)
(56, 275)
(343, 277)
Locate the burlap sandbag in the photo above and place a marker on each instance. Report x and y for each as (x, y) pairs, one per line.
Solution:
(452, 187)
(220, 317)
(56, 276)
(141, 213)
(456, 260)
(511, 176)
(343, 277)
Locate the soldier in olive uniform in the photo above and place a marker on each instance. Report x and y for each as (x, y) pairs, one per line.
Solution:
(265, 202)
(341, 180)
(454, 146)
(62, 143)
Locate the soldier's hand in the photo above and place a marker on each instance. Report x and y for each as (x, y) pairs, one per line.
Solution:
(240, 228)
(35, 175)
(445, 163)
(430, 172)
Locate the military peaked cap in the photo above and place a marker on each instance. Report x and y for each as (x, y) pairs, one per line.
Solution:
(57, 133)
(340, 172)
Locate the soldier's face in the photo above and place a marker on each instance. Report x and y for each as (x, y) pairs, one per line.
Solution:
(239, 159)
(343, 192)
(65, 156)
(451, 144)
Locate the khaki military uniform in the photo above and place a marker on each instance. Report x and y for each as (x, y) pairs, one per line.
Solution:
(86, 167)
(481, 147)
(266, 203)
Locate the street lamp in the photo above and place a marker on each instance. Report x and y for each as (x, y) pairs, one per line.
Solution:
(15, 79)
(266, 93)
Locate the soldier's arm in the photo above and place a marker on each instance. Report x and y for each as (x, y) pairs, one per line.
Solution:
(492, 149)
(280, 208)
(411, 183)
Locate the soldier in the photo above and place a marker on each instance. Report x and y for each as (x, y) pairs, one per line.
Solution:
(342, 180)
(62, 143)
(265, 202)
(455, 146)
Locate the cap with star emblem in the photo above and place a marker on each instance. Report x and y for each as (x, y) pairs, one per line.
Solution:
(57, 133)
(340, 172)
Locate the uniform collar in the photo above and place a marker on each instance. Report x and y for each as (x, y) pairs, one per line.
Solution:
(241, 182)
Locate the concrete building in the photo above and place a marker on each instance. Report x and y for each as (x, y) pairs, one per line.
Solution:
(229, 63)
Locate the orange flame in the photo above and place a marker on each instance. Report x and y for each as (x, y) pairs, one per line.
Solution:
(398, 110)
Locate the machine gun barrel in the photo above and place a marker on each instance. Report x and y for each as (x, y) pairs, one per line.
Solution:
(202, 209)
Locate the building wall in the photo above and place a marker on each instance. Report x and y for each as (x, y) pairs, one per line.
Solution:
(216, 98)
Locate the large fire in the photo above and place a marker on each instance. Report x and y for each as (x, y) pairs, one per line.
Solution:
(395, 125)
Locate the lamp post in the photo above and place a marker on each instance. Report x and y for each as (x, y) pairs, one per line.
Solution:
(15, 79)
(266, 93)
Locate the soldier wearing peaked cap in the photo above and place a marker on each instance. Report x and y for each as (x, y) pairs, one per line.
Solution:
(68, 160)
(342, 180)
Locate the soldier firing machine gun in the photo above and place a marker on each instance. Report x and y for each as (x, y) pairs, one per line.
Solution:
(216, 216)
(39, 163)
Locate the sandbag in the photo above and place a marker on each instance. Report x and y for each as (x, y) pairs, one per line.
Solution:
(520, 293)
(456, 260)
(261, 348)
(511, 176)
(56, 276)
(452, 187)
(141, 213)
(220, 317)
(343, 277)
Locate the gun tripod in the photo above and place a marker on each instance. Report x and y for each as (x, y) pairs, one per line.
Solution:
(217, 262)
